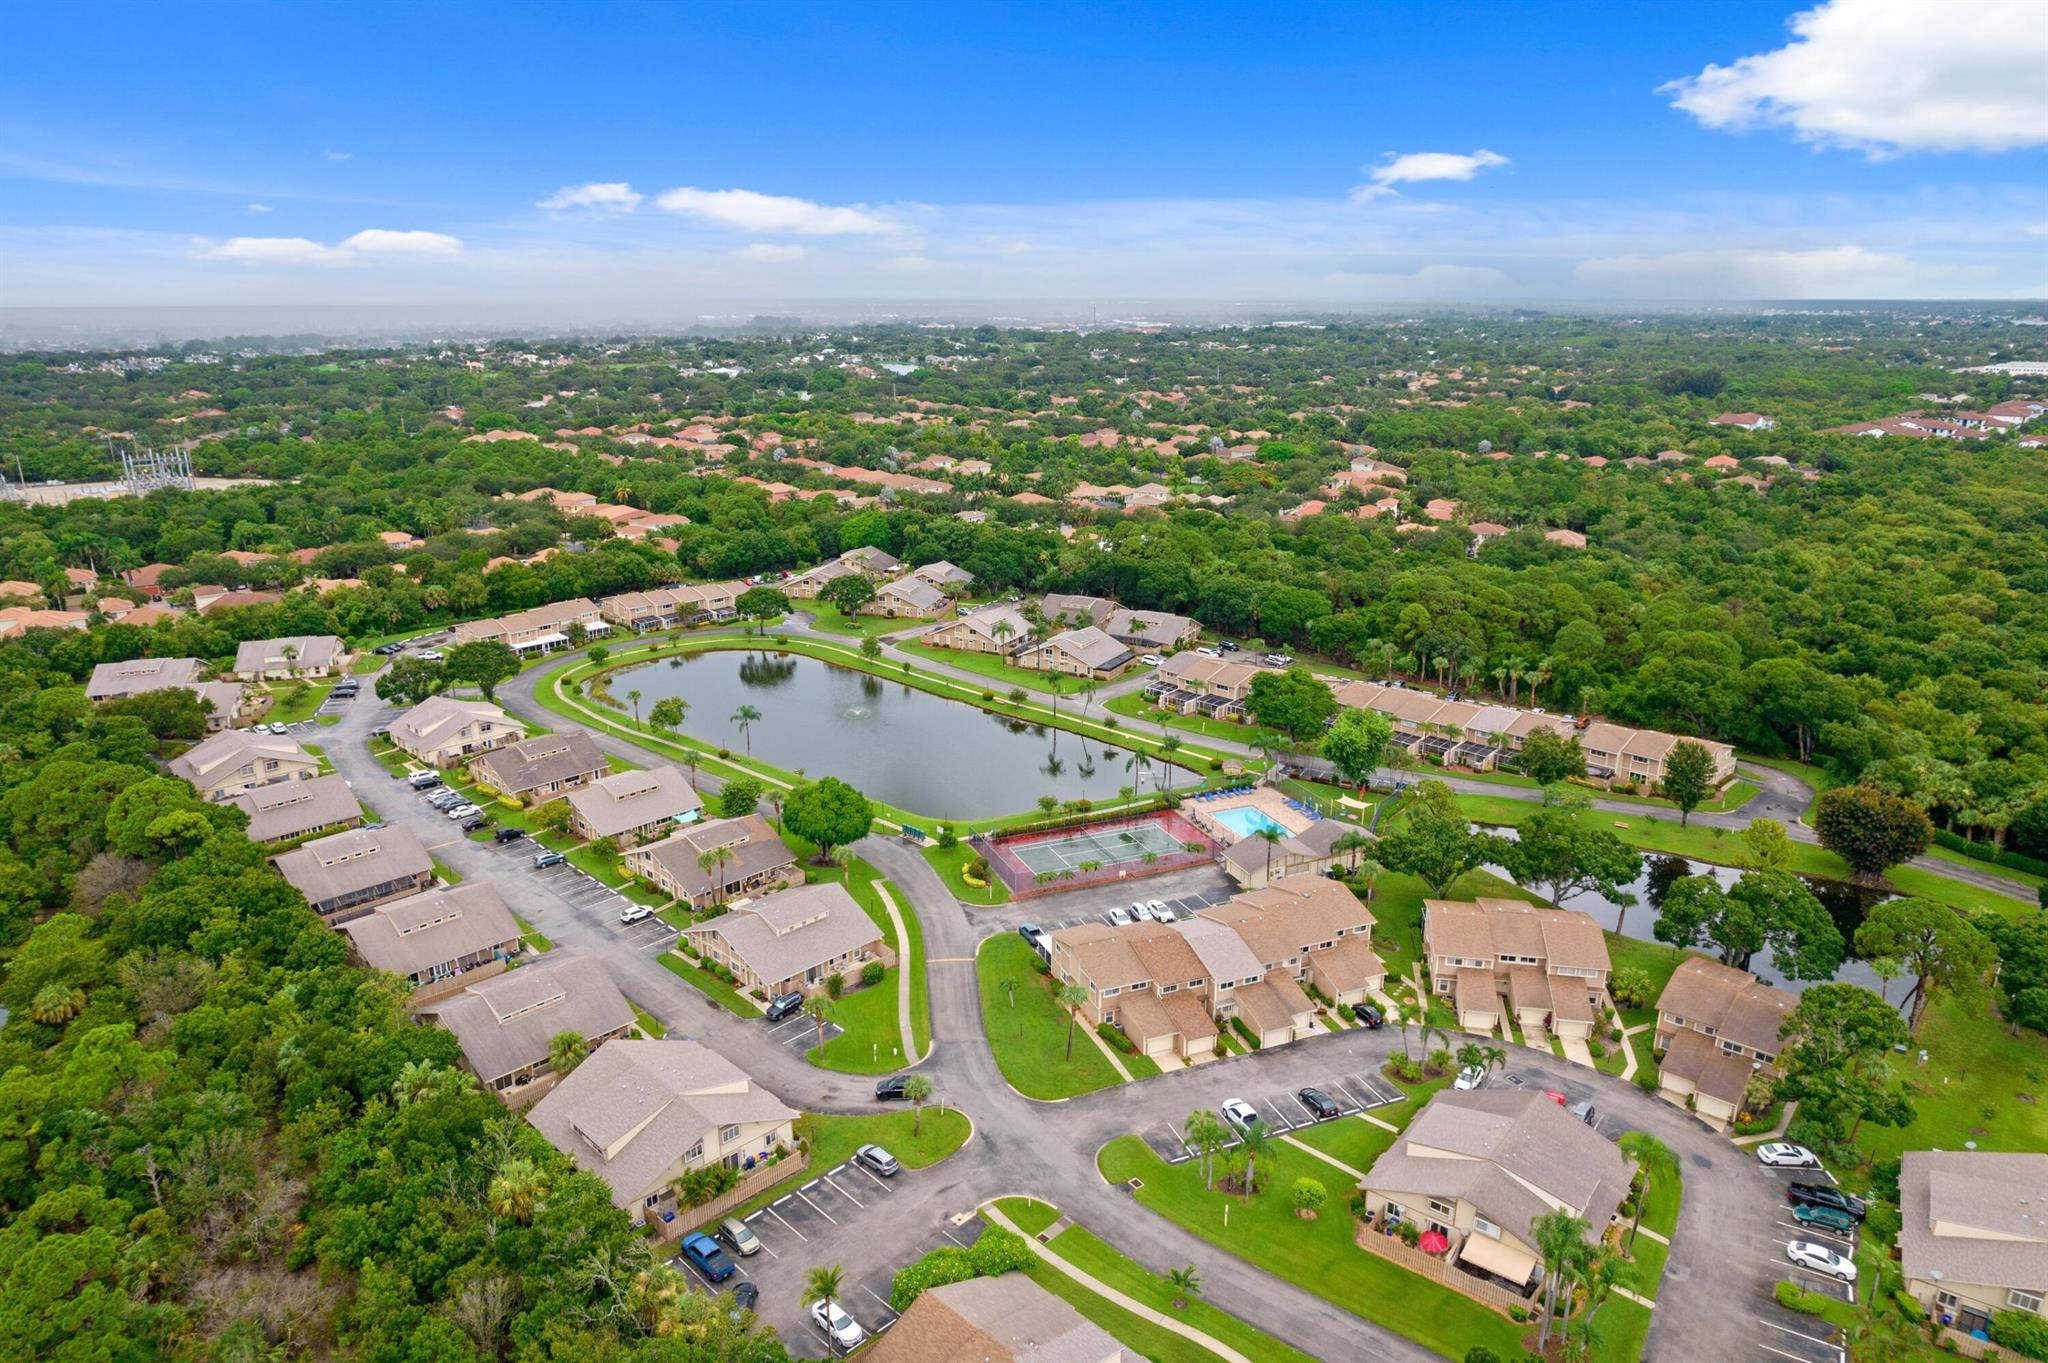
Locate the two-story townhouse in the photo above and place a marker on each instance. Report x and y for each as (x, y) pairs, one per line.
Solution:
(236, 761)
(1086, 652)
(296, 809)
(746, 857)
(506, 1024)
(343, 875)
(633, 807)
(1311, 927)
(298, 655)
(443, 731)
(1144, 979)
(534, 770)
(1549, 965)
(1973, 1234)
(794, 940)
(999, 630)
(439, 939)
(543, 629)
(1717, 1030)
(908, 597)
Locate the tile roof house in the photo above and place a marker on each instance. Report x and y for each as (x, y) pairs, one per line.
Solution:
(113, 681)
(505, 1023)
(633, 807)
(344, 874)
(1004, 1319)
(295, 809)
(757, 860)
(640, 1113)
(301, 655)
(1717, 1028)
(794, 940)
(910, 597)
(1973, 1234)
(979, 633)
(237, 761)
(1565, 539)
(444, 730)
(1480, 1167)
(1550, 964)
(1086, 652)
(534, 770)
(438, 939)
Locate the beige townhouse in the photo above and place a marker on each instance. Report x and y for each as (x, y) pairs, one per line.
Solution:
(297, 809)
(1973, 1234)
(1086, 652)
(440, 939)
(633, 807)
(444, 731)
(794, 940)
(1717, 1030)
(1501, 958)
(343, 875)
(543, 629)
(298, 655)
(999, 630)
(535, 770)
(235, 762)
(708, 862)
(505, 1023)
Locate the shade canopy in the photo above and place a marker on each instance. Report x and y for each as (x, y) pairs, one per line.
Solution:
(1435, 1242)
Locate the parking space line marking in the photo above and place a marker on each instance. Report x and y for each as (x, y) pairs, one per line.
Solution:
(843, 1193)
(785, 1225)
(814, 1206)
(950, 1236)
(1786, 1329)
(871, 1178)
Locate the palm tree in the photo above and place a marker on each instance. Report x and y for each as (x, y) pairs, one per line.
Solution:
(775, 797)
(1254, 1143)
(1657, 1161)
(745, 717)
(1001, 631)
(1538, 675)
(1185, 1283)
(818, 1009)
(1139, 763)
(1270, 837)
(517, 1189)
(709, 863)
(1204, 1135)
(567, 1050)
(1071, 997)
(1558, 1236)
(634, 696)
(416, 1079)
(54, 1004)
(822, 1284)
(917, 1088)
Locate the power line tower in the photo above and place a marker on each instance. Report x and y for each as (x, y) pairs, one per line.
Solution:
(154, 470)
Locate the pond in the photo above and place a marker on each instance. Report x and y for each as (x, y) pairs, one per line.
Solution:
(892, 742)
(1845, 903)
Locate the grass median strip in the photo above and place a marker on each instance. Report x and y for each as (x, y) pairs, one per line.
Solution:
(1319, 1256)
(710, 985)
(1027, 1030)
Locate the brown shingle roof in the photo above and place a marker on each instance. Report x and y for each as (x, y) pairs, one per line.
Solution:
(1733, 1002)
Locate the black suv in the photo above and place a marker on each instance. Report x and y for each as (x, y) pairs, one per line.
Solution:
(1370, 1016)
(893, 1089)
(1825, 1195)
(507, 835)
(782, 1005)
(1320, 1103)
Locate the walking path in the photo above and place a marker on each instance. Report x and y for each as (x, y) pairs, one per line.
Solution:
(907, 971)
(1777, 1130)
(1357, 1175)
(1628, 1066)
(1110, 1294)
(1116, 1061)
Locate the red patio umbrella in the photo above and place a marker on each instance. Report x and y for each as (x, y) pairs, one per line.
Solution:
(1434, 1242)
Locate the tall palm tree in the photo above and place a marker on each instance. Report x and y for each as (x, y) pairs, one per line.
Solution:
(1558, 1235)
(517, 1189)
(917, 1088)
(566, 1050)
(709, 862)
(1270, 837)
(823, 1284)
(745, 717)
(1001, 631)
(1254, 1143)
(1203, 1134)
(1141, 764)
(818, 1009)
(1071, 997)
(1657, 1161)
(634, 696)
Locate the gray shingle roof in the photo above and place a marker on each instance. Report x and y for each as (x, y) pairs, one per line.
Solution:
(205, 763)
(539, 761)
(755, 847)
(290, 808)
(612, 804)
(346, 863)
(310, 653)
(432, 722)
(1993, 1208)
(138, 675)
(786, 933)
(437, 927)
(505, 1023)
(1090, 647)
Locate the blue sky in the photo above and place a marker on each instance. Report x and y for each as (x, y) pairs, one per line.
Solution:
(186, 154)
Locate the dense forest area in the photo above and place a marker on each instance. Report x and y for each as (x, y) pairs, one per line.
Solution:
(1879, 607)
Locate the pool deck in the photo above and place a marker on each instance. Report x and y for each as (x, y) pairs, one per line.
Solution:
(1264, 799)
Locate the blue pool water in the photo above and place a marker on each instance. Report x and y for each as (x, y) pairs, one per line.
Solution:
(1246, 821)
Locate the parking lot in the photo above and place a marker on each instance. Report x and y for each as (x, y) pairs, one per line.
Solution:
(1282, 1111)
(1183, 906)
(584, 892)
(1783, 1334)
(819, 1223)
(799, 1033)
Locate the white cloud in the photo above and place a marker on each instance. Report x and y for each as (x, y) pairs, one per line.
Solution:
(1889, 76)
(259, 208)
(910, 264)
(2037, 229)
(338, 155)
(749, 211)
(303, 251)
(1431, 281)
(1015, 248)
(1417, 166)
(1827, 272)
(773, 253)
(382, 241)
(611, 196)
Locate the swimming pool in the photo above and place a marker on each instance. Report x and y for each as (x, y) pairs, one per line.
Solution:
(1247, 820)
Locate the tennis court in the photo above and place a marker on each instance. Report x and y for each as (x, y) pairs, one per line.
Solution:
(1070, 858)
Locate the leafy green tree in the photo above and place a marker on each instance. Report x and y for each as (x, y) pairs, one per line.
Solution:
(410, 680)
(761, 604)
(1549, 757)
(1294, 702)
(667, 714)
(741, 796)
(1871, 829)
(1763, 909)
(1688, 777)
(2022, 945)
(1832, 1062)
(482, 664)
(1766, 847)
(1356, 743)
(1938, 947)
(1558, 854)
(828, 813)
(848, 593)
(598, 654)
(1435, 843)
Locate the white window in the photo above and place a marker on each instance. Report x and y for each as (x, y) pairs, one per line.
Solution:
(728, 1134)
(1440, 1208)
(1481, 1226)
(1111, 992)
(1194, 984)
(1169, 989)
(694, 1153)
(2023, 1301)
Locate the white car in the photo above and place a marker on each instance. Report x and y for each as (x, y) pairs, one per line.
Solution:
(430, 655)
(1206, 652)
(1160, 913)
(1120, 918)
(1471, 1077)
(1786, 1155)
(1152, 660)
(633, 913)
(1240, 1114)
(843, 1330)
(464, 811)
(1821, 1259)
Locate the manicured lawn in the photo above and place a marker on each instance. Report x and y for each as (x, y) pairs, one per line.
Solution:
(606, 870)
(1978, 1085)
(1621, 1329)
(367, 664)
(534, 938)
(1655, 959)
(949, 862)
(1351, 1140)
(1135, 706)
(1002, 676)
(295, 702)
(650, 1025)
(710, 985)
(1318, 1256)
(1029, 1038)
(1152, 1342)
(871, 1043)
(828, 617)
(1104, 1263)
(1140, 1066)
